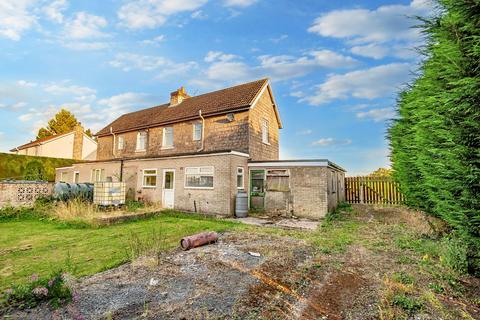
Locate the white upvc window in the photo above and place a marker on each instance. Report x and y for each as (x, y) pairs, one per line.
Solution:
(141, 141)
(197, 131)
(63, 176)
(149, 178)
(199, 177)
(121, 143)
(167, 141)
(265, 136)
(97, 175)
(240, 178)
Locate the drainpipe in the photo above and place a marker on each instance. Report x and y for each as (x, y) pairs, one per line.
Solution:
(114, 138)
(121, 170)
(203, 129)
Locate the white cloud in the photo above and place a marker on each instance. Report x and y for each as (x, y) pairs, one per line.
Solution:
(239, 3)
(325, 142)
(54, 11)
(60, 89)
(16, 18)
(219, 56)
(370, 83)
(386, 23)
(85, 26)
(117, 105)
(139, 14)
(199, 15)
(371, 50)
(305, 132)
(377, 115)
(24, 83)
(155, 40)
(86, 45)
(279, 39)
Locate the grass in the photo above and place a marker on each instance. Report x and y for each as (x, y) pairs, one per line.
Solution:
(29, 245)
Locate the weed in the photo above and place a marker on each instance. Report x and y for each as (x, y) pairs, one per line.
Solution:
(403, 277)
(407, 303)
(53, 289)
(154, 243)
(132, 205)
(340, 213)
(454, 252)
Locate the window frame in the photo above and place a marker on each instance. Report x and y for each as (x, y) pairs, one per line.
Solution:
(62, 174)
(93, 175)
(194, 138)
(121, 146)
(75, 173)
(164, 136)
(149, 175)
(265, 130)
(139, 134)
(242, 169)
(200, 174)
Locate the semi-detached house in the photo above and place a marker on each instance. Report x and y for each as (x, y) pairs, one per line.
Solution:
(196, 153)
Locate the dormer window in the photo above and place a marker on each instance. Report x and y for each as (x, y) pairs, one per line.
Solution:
(141, 141)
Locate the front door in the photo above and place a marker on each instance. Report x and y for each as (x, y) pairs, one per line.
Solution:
(168, 188)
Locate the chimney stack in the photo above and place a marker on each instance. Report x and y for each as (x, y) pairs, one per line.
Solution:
(176, 97)
(77, 142)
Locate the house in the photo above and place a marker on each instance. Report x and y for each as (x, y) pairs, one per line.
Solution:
(196, 153)
(75, 144)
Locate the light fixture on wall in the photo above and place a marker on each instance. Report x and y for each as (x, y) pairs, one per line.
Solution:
(230, 117)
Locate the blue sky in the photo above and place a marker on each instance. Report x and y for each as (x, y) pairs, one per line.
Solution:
(335, 66)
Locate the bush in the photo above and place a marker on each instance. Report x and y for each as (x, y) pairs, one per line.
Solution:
(133, 205)
(55, 290)
(407, 303)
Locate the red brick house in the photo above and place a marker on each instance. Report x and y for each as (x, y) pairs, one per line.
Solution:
(194, 153)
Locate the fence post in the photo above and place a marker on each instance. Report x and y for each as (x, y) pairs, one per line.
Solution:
(361, 191)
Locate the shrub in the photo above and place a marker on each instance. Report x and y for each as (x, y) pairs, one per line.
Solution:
(407, 303)
(133, 205)
(55, 290)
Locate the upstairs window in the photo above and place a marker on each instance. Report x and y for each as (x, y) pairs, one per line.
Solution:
(121, 143)
(199, 177)
(167, 138)
(265, 136)
(197, 131)
(141, 141)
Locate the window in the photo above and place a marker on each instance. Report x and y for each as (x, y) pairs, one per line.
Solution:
(76, 177)
(63, 176)
(278, 180)
(141, 141)
(149, 178)
(97, 175)
(199, 177)
(265, 137)
(197, 131)
(167, 138)
(240, 180)
(121, 143)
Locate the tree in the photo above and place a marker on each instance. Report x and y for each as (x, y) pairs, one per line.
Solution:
(64, 121)
(34, 170)
(381, 173)
(435, 141)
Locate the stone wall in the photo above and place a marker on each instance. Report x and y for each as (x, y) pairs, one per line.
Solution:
(220, 135)
(23, 193)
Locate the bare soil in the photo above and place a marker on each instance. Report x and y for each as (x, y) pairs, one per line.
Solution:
(292, 279)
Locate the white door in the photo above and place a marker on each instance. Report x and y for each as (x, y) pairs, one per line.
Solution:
(168, 188)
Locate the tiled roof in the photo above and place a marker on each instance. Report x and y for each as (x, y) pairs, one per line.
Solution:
(38, 141)
(218, 102)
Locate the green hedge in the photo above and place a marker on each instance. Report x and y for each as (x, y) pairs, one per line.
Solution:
(21, 167)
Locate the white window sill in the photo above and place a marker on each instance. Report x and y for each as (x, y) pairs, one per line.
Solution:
(141, 150)
(200, 188)
(149, 187)
(240, 188)
(267, 143)
(167, 148)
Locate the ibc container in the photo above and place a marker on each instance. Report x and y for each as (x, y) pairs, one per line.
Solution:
(109, 193)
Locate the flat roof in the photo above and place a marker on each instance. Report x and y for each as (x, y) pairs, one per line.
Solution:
(296, 163)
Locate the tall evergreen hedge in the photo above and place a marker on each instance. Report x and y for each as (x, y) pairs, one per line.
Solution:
(435, 142)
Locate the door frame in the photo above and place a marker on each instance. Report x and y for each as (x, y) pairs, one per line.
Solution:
(250, 184)
(163, 186)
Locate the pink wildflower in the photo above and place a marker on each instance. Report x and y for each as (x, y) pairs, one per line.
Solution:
(9, 291)
(50, 282)
(34, 277)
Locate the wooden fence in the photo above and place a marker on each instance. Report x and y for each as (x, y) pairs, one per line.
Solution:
(372, 190)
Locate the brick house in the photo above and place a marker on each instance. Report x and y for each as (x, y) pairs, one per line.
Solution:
(194, 153)
(75, 144)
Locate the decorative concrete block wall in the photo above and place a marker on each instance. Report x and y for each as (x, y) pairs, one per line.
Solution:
(23, 193)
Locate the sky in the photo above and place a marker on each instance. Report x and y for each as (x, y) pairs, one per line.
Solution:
(335, 66)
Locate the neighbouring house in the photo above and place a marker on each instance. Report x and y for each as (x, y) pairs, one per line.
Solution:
(196, 153)
(75, 144)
